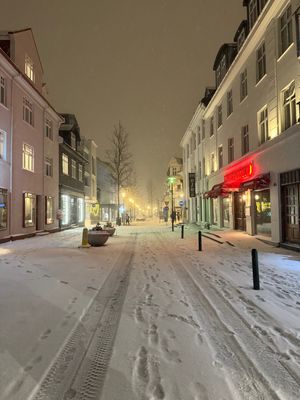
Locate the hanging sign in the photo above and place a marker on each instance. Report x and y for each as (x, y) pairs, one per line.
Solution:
(239, 175)
(192, 184)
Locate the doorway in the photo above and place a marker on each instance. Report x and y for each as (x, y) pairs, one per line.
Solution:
(291, 217)
(240, 211)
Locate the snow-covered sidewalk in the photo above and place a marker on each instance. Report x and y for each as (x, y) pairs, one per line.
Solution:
(190, 328)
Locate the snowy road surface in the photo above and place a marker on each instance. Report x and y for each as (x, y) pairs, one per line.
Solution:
(148, 317)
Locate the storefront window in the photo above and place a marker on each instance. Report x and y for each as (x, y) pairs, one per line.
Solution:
(29, 209)
(65, 205)
(80, 204)
(49, 210)
(262, 212)
(3, 208)
(215, 211)
(226, 214)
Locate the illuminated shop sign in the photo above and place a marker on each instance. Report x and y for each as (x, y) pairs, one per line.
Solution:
(239, 175)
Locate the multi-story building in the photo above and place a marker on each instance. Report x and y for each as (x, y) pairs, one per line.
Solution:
(92, 209)
(71, 174)
(28, 141)
(106, 192)
(243, 143)
(174, 187)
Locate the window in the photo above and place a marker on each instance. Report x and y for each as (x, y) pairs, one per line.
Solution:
(241, 39)
(29, 68)
(263, 129)
(286, 29)
(80, 173)
(220, 118)
(27, 111)
(262, 4)
(245, 139)
(203, 129)
(28, 157)
(200, 170)
(211, 126)
(220, 156)
(230, 150)
(80, 205)
(212, 162)
(297, 14)
(73, 169)
(3, 208)
(252, 12)
(2, 91)
(48, 166)
(221, 70)
(229, 103)
(49, 210)
(2, 145)
(260, 62)
(204, 166)
(49, 129)
(73, 141)
(86, 179)
(243, 88)
(289, 106)
(29, 209)
(65, 206)
(65, 164)
(199, 134)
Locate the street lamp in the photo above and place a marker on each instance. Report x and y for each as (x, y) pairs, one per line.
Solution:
(171, 181)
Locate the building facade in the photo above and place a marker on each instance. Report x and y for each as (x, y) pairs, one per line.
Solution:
(71, 174)
(106, 192)
(174, 194)
(243, 141)
(28, 197)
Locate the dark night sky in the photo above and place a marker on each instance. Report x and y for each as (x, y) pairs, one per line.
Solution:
(144, 62)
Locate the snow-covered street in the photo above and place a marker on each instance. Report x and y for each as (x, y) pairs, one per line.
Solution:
(148, 317)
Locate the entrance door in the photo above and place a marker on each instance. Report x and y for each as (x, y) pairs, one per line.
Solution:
(239, 211)
(291, 213)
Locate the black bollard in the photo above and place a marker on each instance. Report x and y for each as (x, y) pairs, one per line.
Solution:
(255, 269)
(199, 241)
(182, 231)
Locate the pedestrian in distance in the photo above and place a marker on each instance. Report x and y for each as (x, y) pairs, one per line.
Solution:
(127, 219)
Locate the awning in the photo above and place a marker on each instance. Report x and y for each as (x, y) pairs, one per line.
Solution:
(216, 191)
(259, 182)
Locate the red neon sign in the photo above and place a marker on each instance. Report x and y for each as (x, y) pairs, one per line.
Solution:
(236, 177)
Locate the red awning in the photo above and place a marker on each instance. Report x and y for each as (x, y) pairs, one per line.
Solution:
(216, 191)
(259, 182)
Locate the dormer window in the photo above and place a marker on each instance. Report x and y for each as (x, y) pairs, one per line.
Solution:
(241, 39)
(29, 68)
(73, 141)
(221, 70)
(252, 13)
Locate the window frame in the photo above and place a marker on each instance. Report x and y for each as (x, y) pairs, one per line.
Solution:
(211, 126)
(73, 168)
(229, 103)
(49, 129)
(73, 141)
(261, 65)
(243, 85)
(263, 125)
(49, 218)
(291, 101)
(219, 116)
(245, 139)
(3, 91)
(28, 111)
(230, 150)
(253, 13)
(285, 23)
(29, 68)
(3, 146)
(3, 209)
(64, 164)
(27, 157)
(220, 157)
(28, 195)
(49, 167)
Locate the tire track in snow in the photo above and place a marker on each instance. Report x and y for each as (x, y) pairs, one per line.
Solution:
(79, 370)
(265, 379)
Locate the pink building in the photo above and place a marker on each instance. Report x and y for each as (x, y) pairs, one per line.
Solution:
(28, 141)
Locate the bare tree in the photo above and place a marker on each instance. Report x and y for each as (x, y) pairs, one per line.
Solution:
(120, 161)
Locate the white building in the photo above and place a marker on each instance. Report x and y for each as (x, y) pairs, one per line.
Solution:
(174, 193)
(243, 142)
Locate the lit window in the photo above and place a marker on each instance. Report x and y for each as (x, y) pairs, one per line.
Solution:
(28, 157)
(65, 164)
(243, 85)
(286, 29)
(49, 129)
(3, 208)
(80, 173)
(245, 139)
(220, 118)
(73, 169)
(2, 145)
(229, 103)
(29, 209)
(260, 62)
(263, 129)
(48, 166)
(49, 210)
(230, 150)
(80, 205)
(220, 156)
(73, 141)
(27, 111)
(29, 68)
(2, 91)
(289, 106)
(65, 206)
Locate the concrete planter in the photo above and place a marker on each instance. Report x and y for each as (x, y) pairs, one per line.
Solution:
(97, 238)
(111, 231)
